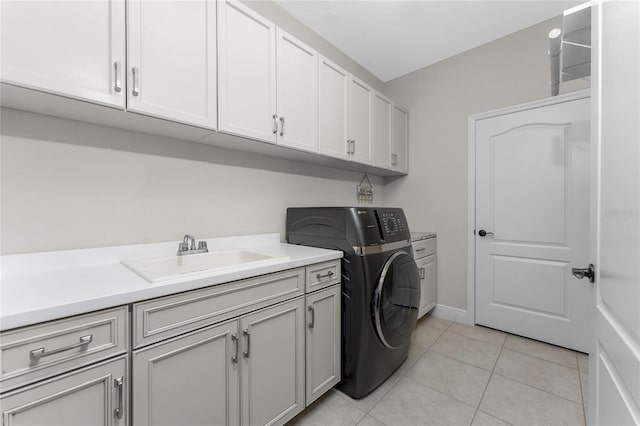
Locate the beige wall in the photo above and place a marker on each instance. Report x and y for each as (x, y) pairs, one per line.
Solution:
(67, 185)
(440, 97)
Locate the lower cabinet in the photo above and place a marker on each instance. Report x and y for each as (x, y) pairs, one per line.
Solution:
(323, 342)
(94, 395)
(195, 379)
(189, 380)
(272, 364)
(427, 269)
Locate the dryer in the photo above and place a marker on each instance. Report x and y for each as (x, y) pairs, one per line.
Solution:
(380, 286)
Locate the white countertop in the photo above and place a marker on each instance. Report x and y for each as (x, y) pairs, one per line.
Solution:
(45, 286)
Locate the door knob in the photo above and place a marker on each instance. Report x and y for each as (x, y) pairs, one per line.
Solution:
(589, 272)
(484, 233)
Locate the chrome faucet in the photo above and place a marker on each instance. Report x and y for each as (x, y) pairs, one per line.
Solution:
(188, 246)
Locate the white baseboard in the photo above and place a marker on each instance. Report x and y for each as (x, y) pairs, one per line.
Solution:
(450, 313)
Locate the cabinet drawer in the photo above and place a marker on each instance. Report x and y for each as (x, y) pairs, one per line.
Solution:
(424, 248)
(323, 275)
(35, 352)
(169, 316)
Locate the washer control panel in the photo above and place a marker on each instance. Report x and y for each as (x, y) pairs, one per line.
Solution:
(393, 224)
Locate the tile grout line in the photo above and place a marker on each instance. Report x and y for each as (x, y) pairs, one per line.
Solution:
(487, 385)
(540, 390)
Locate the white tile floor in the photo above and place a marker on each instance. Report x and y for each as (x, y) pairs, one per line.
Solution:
(467, 375)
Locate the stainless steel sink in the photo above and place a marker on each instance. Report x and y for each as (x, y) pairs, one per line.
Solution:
(165, 268)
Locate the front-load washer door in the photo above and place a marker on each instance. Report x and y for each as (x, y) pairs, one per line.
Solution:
(396, 300)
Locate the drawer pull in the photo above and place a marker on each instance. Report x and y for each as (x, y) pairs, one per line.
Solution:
(36, 354)
(119, 385)
(327, 275)
(246, 334)
(313, 316)
(234, 339)
(421, 249)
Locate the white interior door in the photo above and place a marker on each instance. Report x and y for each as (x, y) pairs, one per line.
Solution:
(532, 200)
(614, 371)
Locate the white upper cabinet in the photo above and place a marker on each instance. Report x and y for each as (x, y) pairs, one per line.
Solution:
(72, 48)
(400, 139)
(171, 68)
(297, 99)
(381, 130)
(333, 104)
(246, 73)
(360, 116)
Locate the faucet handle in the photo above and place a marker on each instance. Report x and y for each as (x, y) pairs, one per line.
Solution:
(202, 245)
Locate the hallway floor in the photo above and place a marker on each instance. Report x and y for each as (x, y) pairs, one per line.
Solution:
(458, 374)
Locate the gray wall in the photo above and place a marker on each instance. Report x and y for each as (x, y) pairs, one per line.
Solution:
(440, 97)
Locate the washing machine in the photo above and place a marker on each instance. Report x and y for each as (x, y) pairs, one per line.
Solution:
(380, 286)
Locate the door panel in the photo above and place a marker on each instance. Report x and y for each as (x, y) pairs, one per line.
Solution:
(297, 100)
(323, 342)
(246, 72)
(381, 131)
(530, 183)
(273, 364)
(360, 116)
(333, 95)
(172, 45)
(188, 380)
(399, 139)
(84, 397)
(615, 361)
(41, 42)
(532, 197)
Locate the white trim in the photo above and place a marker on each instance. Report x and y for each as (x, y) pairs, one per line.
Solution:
(471, 185)
(450, 313)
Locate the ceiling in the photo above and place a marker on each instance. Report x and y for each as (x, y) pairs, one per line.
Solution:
(391, 38)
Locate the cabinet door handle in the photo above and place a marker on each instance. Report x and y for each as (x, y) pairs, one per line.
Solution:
(234, 339)
(119, 385)
(422, 273)
(136, 76)
(275, 123)
(281, 126)
(313, 316)
(246, 334)
(36, 354)
(327, 275)
(118, 76)
(394, 159)
(348, 146)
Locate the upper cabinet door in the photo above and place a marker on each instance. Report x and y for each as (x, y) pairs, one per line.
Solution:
(333, 104)
(72, 48)
(297, 100)
(172, 60)
(400, 139)
(381, 131)
(246, 73)
(360, 115)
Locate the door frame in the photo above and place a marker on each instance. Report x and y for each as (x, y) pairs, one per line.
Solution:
(471, 180)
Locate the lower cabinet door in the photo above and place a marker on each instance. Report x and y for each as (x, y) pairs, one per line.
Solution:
(273, 364)
(189, 380)
(323, 341)
(427, 269)
(95, 395)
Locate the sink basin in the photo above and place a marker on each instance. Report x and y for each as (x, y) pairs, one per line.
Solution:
(165, 268)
